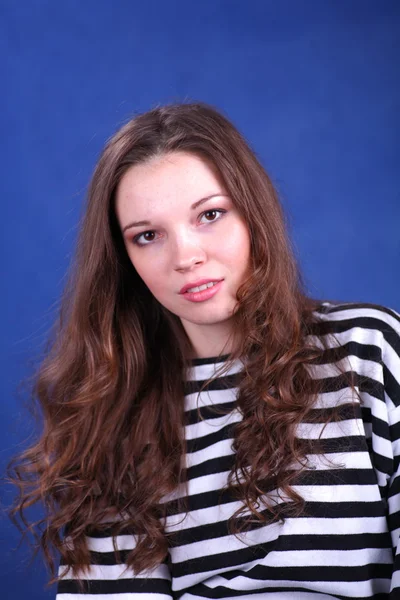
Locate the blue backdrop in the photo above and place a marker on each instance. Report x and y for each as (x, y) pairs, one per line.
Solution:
(313, 85)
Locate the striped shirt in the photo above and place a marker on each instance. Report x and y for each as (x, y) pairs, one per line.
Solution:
(346, 542)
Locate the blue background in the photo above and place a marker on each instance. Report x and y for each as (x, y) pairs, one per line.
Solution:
(314, 87)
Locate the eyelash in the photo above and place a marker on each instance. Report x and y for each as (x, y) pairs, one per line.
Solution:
(210, 210)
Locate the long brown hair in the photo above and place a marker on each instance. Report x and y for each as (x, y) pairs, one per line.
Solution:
(110, 387)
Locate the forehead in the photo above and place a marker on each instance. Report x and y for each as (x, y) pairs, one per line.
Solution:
(175, 177)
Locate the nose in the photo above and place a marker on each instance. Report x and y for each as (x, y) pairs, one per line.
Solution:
(187, 252)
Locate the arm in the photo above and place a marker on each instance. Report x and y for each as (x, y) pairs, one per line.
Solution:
(394, 506)
(394, 501)
(391, 366)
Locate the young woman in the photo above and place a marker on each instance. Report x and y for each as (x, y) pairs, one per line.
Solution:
(209, 430)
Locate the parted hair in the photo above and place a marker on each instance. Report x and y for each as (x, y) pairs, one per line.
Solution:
(110, 386)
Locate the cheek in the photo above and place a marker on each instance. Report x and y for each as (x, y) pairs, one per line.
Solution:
(237, 247)
(150, 272)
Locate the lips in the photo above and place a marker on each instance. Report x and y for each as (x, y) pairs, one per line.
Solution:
(198, 283)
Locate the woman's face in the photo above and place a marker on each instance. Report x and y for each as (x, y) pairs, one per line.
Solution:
(181, 229)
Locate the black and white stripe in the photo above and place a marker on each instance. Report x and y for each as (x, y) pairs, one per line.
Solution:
(345, 545)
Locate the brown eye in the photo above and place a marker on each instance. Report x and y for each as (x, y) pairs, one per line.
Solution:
(212, 213)
(142, 238)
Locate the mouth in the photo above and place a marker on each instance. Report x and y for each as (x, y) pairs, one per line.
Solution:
(203, 292)
(199, 286)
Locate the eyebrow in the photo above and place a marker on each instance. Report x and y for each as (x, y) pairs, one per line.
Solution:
(193, 207)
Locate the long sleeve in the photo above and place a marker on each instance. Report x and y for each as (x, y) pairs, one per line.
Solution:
(391, 368)
(107, 580)
(394, 500)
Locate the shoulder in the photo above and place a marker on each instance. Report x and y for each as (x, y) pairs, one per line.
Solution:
(369, 334)
(369, 322)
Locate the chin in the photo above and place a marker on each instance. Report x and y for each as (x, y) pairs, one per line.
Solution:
(208, 319)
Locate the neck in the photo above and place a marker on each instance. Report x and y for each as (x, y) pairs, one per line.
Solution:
(210, 340)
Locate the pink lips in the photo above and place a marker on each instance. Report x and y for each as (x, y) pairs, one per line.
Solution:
(204, 294)
(196, 284)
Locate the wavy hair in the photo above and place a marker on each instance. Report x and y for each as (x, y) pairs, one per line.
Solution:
(110, 386)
